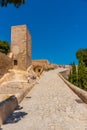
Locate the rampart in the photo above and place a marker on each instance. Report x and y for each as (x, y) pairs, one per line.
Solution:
(44, 63)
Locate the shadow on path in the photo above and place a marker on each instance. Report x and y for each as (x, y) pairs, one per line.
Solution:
(18, 108)
(15, 116)
(79, 101)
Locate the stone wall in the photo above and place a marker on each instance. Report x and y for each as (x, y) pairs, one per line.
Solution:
(81, 93)
(65, 73)
(5, 64)
(40, 62)
(44, 63)
(40, 65)
(7, 107)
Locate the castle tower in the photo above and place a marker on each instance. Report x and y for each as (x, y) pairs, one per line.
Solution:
(21, 47)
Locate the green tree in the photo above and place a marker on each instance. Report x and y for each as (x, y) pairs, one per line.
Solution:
(79, 77)
(74, 74)
(4, 47)
(70, 76)
(82, 75)
(73, 78)
(17, 3)
(85, 79)
(81, 55)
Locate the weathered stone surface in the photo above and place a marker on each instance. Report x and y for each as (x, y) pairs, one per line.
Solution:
(21, 47)
(45, 64)
(5, 64)
(40, 62)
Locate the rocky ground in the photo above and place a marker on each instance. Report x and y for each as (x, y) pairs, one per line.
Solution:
(14, 82)
(50, 105)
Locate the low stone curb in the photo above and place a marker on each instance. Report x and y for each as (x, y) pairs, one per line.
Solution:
(81, 93)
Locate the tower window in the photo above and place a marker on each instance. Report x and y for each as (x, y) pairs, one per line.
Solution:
(39, 70)
(15, 62)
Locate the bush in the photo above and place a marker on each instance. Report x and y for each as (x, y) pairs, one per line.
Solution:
(4, 47)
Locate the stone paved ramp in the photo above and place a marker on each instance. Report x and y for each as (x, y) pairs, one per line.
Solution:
(51, 105)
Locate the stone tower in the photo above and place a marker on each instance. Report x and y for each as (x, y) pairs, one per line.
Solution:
(21, 47)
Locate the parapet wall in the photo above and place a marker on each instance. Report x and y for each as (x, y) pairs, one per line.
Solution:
(5, 64)
(7, 107)
(81, 93)
(65, 73)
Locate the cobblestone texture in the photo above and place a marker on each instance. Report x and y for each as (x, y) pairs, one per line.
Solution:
(51, 105)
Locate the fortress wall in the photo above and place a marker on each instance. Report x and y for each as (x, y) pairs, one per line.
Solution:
(40, 65)
(40, 62)
(5, 64)
(45, 64)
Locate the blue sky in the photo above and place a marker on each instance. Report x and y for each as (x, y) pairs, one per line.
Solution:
(58, 27)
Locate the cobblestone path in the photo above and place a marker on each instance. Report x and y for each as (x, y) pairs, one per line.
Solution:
(50, 105)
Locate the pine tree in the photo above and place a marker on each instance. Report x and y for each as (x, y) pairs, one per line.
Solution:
(70, 76)
(79, 77)
(82, 75)
(73, 77)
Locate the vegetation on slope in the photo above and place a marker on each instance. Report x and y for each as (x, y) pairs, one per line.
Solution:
(4, 47)
(79, 76)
